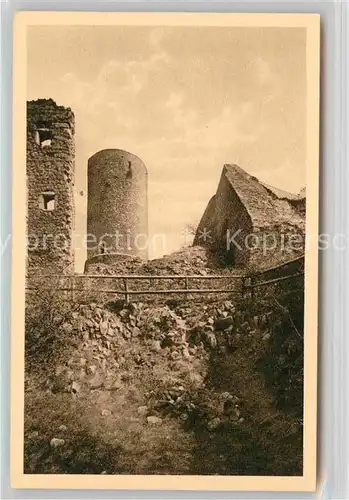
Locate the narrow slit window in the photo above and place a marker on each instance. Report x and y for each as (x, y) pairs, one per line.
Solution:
(102, 247)
(43, 137)
(47, 201)
(129, 171)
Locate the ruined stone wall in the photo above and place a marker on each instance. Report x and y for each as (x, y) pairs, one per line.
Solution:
(225, 222)
(117, 211)
(50, 180)
(256, 227)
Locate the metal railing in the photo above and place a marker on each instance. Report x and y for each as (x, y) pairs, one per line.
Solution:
(241, 284)
(275, 277)
(186, 283)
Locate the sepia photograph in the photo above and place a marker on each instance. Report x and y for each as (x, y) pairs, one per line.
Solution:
(165, 206)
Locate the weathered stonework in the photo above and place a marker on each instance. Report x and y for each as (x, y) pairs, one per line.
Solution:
(117, 209)
(250, 223)
(50, 180)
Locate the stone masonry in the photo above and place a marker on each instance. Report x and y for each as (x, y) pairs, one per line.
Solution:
(117, 212)
(50, 181)
(252, 224)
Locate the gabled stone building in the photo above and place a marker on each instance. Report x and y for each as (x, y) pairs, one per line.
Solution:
(250, 223)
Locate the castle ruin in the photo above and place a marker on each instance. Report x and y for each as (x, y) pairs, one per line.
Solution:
(117, 212)
(50, 183)
(251, 223)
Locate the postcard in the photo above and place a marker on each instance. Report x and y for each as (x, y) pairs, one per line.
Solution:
(165, 269)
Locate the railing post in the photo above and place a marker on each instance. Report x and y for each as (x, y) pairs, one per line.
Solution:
(126, 290)
(247, 287)
(72, 285)
(186, 286)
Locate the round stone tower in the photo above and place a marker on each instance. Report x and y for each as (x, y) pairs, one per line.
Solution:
(117, 205)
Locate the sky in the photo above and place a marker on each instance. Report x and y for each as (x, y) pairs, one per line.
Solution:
(186, 100)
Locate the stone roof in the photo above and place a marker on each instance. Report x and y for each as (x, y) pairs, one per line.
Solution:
(280, 193)
(265, 207)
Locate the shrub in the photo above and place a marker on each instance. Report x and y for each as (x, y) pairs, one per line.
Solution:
(47, 308)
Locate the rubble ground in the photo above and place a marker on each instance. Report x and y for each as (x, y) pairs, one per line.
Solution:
(189, 260)
(172, 388)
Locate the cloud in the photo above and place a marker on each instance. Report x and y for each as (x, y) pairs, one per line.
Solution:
(82, 94)
(130, 77)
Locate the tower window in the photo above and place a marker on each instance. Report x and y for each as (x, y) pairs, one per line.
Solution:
(43, 137)
(47, 201)
(129, 171)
